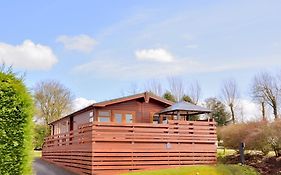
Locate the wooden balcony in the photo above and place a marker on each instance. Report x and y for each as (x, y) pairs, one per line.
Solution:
(108, 148)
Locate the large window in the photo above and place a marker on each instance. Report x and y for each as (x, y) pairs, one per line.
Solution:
(123, 116)
(117, 116)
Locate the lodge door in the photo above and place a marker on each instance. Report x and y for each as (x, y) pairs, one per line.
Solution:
(119, 116)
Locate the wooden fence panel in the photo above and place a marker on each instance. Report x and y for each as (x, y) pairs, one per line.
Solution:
(106, 148)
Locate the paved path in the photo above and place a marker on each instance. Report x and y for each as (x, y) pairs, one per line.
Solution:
(42, 167)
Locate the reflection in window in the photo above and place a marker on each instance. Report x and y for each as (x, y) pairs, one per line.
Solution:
(129, 118)
(118, 118)
(104, 113)
(103, 119)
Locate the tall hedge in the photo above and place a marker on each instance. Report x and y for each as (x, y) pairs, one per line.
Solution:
(16, 126)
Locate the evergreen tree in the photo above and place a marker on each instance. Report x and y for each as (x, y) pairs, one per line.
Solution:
(169, 96)
(219, 113)
(187, 99)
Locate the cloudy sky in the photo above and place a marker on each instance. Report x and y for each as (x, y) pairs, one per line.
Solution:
(100, 48)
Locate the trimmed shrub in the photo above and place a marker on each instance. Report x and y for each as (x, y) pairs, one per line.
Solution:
(16, 124)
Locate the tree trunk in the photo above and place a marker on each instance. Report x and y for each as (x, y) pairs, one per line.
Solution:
(232, 113)
(263, 111)
(275, 112)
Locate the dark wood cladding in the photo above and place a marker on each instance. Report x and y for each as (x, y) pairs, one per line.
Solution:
(141, 108)
(110, 148)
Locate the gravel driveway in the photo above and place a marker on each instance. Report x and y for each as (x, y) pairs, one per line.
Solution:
(42, 167)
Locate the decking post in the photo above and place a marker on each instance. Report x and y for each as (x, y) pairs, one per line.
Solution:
(168, 142)
(133, 142)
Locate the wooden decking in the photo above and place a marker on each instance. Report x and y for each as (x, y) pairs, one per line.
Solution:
(102, 148)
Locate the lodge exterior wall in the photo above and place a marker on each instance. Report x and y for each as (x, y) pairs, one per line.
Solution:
(82, 118)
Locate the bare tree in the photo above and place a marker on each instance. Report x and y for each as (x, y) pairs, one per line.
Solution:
(176, 87)
(155, 87)
(230, 95)
(258, 97)
(195, 92)
(52, 100)
(133, 89)
(266, 89)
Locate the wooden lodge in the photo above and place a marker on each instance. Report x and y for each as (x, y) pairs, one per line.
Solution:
(137, 132)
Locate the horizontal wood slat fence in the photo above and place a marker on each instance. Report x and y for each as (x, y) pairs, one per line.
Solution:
(110, 148)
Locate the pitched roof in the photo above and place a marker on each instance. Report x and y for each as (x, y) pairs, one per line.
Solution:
(185, 106)
(145, 95)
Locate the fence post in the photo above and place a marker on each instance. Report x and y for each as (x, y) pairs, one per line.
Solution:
(241, 151)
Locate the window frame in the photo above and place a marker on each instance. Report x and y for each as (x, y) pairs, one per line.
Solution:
(104, 116)
(123, 113)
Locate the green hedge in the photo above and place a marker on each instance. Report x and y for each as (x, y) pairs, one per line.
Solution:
(16, 126)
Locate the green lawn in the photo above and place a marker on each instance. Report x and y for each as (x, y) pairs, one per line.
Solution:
(201, 170)
(225, 152)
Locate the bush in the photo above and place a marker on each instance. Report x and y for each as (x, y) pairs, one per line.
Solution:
(257, 138)
(40, 132)
(232, 135)
(274, 137)
(255, 135)
(16, 124)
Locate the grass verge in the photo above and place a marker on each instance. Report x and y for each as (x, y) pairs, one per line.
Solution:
(37, 154)
(201, 170)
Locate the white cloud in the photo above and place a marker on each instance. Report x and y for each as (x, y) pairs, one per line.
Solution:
(79, 103)
(159, 55)
(82, 43)
(28, 55)
(126, 69)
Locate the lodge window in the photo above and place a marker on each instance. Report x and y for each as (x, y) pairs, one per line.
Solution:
(91, 115)
(123, 116)
(104, 116)
(118, 118)
(104, 119)
(104, 113)
(129, 118)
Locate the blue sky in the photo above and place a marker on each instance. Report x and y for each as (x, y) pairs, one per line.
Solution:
(100, 48)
